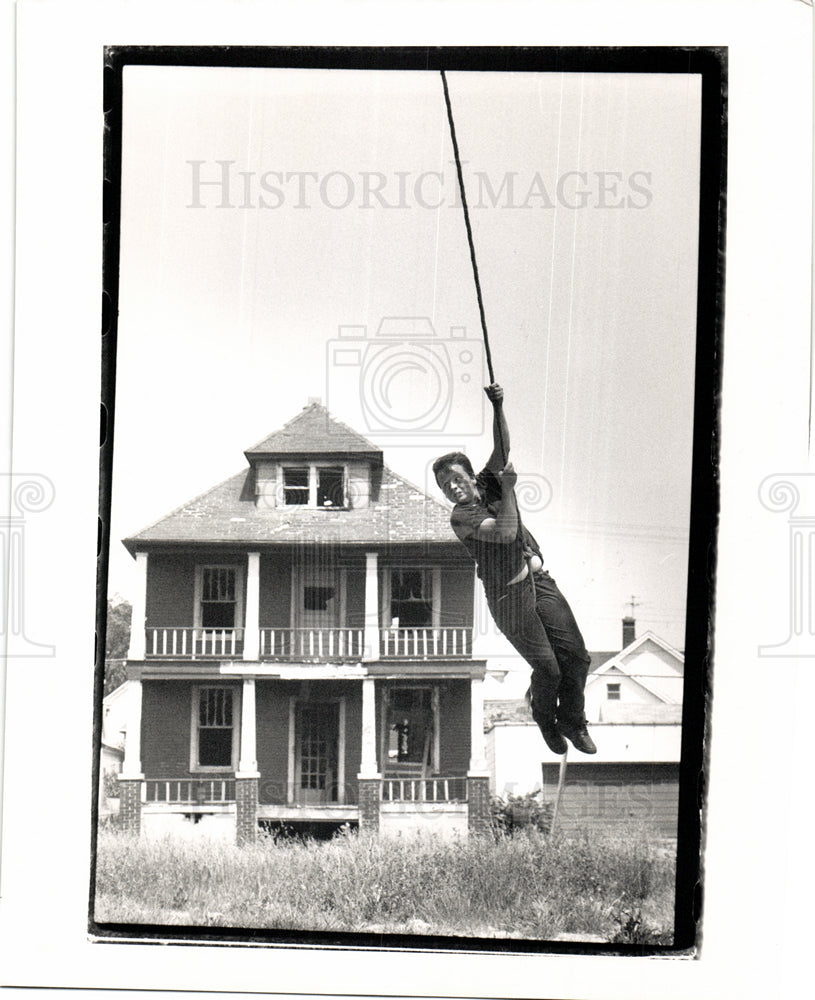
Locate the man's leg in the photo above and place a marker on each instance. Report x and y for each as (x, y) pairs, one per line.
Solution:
(516, 616)
(564, 635)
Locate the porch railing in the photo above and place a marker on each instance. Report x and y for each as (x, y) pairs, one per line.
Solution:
(194, 642)
(426, 643)
(173, 642)
(312, 643)
(191, 791)
(424, 789)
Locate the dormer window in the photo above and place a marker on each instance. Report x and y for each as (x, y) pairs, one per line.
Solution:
(321, 486)
(295, 486)
(330, 489)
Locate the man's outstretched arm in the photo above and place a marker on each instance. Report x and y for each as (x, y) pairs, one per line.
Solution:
(500, 431)
(504, 527)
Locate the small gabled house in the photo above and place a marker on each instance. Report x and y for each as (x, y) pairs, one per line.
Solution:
(634, 709)
(301, 651)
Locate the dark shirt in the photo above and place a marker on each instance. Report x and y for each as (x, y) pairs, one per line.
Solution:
(497, 562)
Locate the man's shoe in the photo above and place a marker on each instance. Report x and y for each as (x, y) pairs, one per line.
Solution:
(553, 739)
(578, 735)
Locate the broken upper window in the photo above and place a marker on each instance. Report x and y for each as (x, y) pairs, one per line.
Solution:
(330, 491)
(317, 598)
(314, 486)
(411, 601)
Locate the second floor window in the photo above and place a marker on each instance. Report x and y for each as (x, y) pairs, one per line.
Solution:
(411, 600)
(218, 597)
(613, 692)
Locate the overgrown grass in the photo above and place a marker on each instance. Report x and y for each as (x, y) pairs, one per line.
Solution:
(618, 887)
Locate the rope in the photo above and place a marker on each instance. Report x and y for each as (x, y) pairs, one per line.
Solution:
(467, 224)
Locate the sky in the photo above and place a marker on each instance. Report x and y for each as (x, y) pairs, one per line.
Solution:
(298, 234)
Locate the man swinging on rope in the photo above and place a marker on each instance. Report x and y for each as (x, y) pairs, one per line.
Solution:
(534, 616)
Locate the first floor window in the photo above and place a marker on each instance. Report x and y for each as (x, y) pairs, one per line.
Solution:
(410, 726)
(215, 727)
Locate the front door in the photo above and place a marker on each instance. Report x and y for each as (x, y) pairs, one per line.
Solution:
(316, 760)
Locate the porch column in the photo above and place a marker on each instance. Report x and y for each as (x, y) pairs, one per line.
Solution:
(247, 764)
(369, 782)
(131, 765)
(139, 605)
(368, 768)
(247, 775)
(251, 633)
(478, 758)
(371, 638)
(478, 779)
(482, 621)
(131, 777)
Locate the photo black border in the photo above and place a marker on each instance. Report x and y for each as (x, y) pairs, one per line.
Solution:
(711, 64)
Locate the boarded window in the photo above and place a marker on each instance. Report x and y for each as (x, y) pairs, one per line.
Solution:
(215, 727)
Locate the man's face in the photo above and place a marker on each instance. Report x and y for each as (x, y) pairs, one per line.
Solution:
(457, 484)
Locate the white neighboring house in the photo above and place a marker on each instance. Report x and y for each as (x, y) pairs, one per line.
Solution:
(634, 709)
(115, 708)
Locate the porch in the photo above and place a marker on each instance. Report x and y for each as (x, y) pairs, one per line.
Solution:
(307, 644)
(372, 752)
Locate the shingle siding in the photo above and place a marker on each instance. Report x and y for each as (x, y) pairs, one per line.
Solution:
(454, 727)
(457, 597)
(275, 591)
(165, 738)
(170, 590)
(272, 711)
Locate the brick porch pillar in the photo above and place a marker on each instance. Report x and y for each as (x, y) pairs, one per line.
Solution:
(369, 804)
(130, 805)
(478, 804)
(247, 776)
(246, 800)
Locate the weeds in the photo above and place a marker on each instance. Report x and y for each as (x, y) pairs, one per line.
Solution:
(525, 885)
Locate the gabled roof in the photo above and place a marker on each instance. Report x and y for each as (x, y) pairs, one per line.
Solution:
(314, 431)
(228, 513)
(619, 664)
(398, 511)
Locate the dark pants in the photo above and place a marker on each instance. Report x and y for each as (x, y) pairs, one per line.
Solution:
(543, 630)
